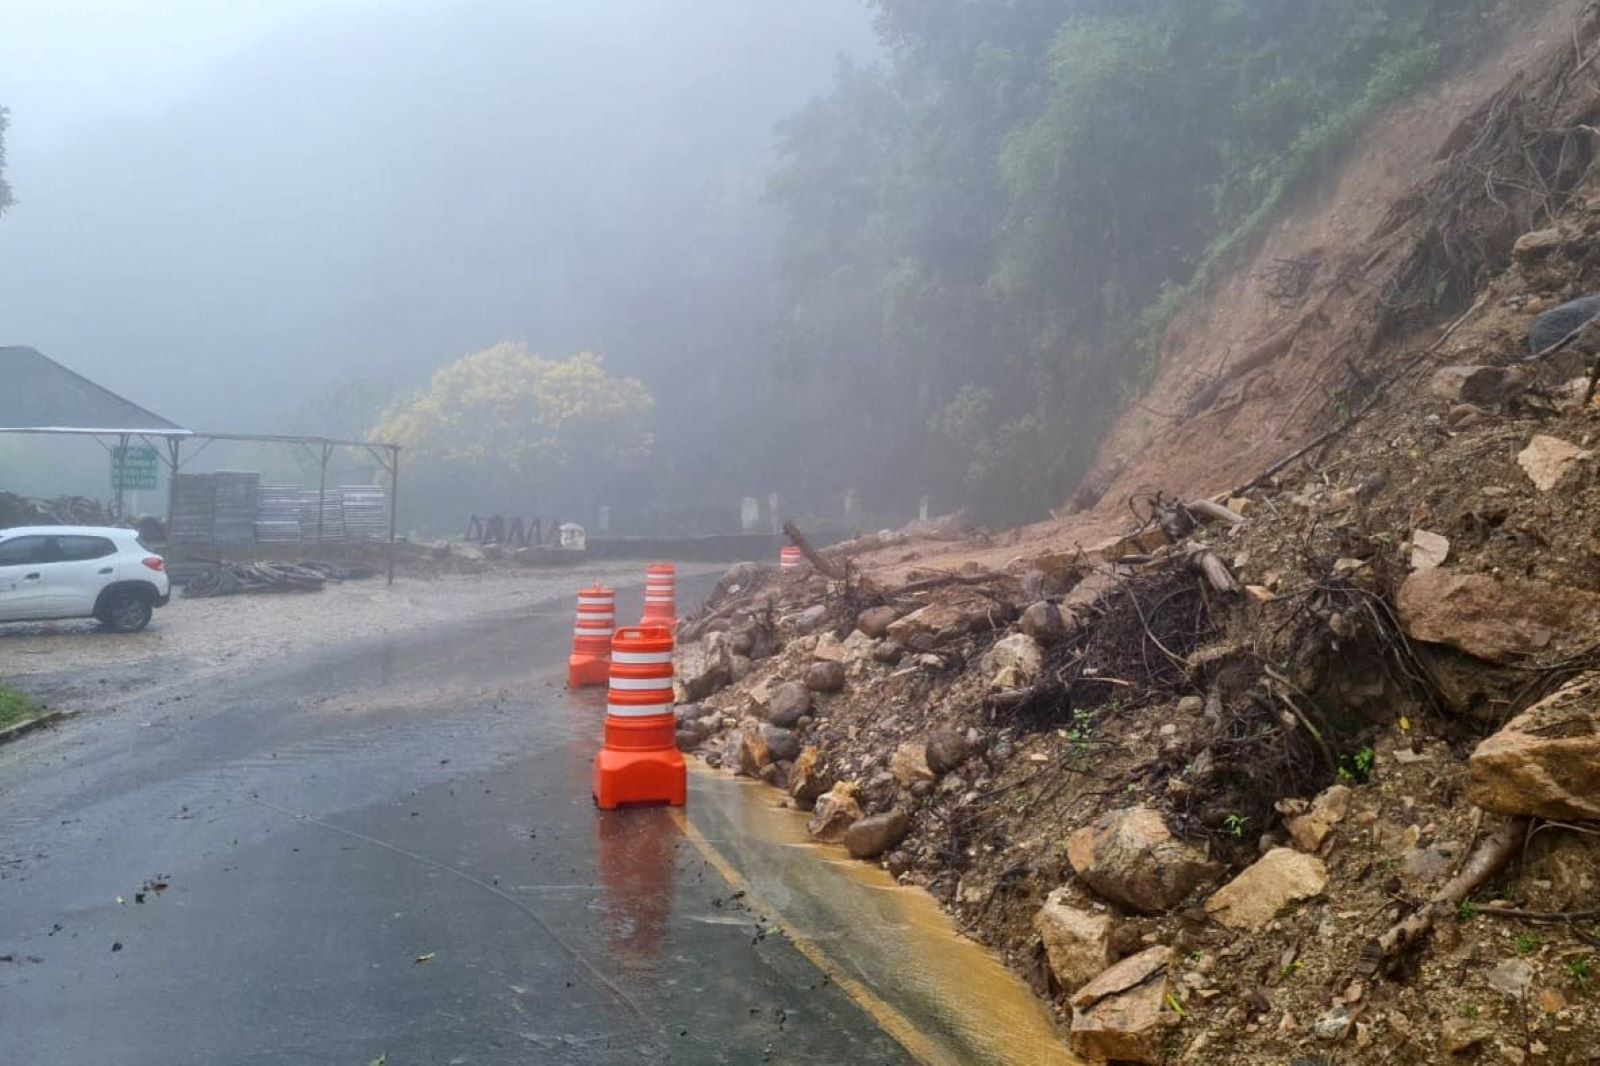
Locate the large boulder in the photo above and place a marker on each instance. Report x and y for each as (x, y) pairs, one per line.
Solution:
(1501, 620)
(835, 812)
(871, 837)
(707, 668)
(825, 677)
(1546, 761)
(808, 778)
(789, 702)
(1554, 325)
(1124, 1014)
(1280, 877)
(1013, 662)
(875, 621)
(1129, 856)
(1077, 943)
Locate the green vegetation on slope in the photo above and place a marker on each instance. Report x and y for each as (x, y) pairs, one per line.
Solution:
(988, 235)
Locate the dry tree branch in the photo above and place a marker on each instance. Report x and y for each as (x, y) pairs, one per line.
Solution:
(1487, 859)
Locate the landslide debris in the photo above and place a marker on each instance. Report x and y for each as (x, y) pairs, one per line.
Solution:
(1301, 773)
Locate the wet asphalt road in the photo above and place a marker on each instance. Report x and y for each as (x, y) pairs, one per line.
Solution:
(386, 850)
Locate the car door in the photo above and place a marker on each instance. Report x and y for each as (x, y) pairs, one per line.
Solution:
(73, 581)
(22, 585)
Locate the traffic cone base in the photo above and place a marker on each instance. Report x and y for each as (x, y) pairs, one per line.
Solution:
(588, 671)
(632, 778)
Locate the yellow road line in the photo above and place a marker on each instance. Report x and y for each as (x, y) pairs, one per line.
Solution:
(888, 1017)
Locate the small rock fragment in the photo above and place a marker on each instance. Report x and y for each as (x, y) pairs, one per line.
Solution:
(808, 778)
(871, 837)
(1310, 827)
(1428, 549)
(1123, 1015)
(1130, 856)
(1461, 1034)
(1546, 460)
(945, 751)
(835, 812)
(825, 677)
(789, 702)
(909, 764)
(1077, 942)
(1013, 662)
(875, 621)
(1512, 977)
(1261, 892)
(782, 744)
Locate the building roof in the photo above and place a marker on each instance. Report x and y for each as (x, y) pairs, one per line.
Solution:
(41, 394)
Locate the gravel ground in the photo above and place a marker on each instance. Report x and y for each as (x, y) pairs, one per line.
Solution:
(79, 664)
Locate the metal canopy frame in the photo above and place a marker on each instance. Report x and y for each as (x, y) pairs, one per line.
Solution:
(385, 454)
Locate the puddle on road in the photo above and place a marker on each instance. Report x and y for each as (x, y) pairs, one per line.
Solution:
(959, 1003)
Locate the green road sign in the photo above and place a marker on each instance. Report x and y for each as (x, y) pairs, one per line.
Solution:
(134, 468)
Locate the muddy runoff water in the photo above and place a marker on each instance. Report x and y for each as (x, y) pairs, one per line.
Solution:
(942, 996)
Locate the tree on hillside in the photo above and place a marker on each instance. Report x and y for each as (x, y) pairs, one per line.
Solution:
(5, 190)
(988, 234)
(548, 425)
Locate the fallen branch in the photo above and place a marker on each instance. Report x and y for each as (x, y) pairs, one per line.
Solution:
(1215, 511)
(1214, 570)
(984, 578)
(1541, 916)
(1488, 859)
(823, 565)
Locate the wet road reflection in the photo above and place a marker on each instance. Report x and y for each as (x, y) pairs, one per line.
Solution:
(325, 824)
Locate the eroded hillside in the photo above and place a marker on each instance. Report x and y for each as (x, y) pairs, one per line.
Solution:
(1284, 751)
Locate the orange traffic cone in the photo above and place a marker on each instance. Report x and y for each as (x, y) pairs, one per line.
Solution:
(640, 762)
(789, 559)
(590, 663)
(660, 596)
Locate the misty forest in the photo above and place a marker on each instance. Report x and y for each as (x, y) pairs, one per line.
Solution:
(908, 248)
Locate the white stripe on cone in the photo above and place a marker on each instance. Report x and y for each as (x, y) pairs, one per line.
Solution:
(642, 684)
(654, 710)
(641, 658)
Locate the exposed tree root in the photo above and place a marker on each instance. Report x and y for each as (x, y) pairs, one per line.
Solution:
(1488, 859)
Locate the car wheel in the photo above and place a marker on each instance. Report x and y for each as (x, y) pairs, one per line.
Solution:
(126, 612)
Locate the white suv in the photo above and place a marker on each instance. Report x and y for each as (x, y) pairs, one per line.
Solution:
(52, 572)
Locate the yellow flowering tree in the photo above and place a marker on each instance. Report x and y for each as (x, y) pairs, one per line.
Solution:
(533, 418)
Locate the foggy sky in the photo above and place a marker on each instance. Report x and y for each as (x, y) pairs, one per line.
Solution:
(222, 211)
